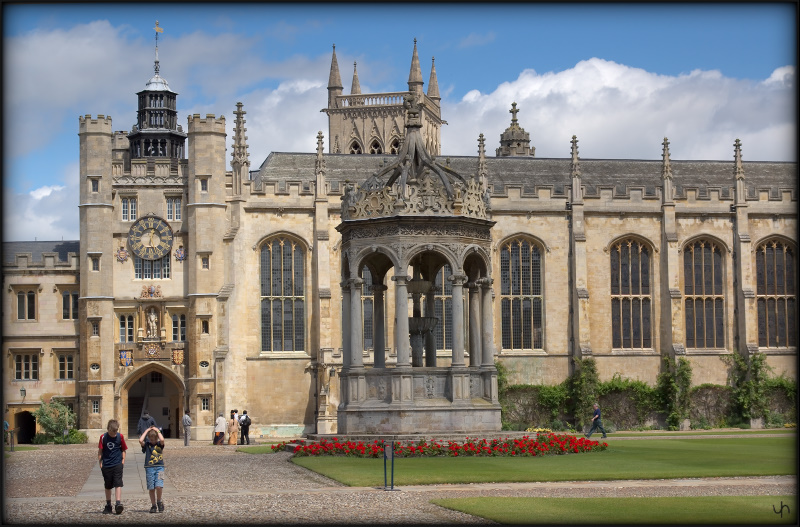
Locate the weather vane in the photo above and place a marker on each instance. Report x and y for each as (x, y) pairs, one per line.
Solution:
(158, 30)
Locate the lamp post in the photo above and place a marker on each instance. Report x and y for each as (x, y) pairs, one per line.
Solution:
(22, 392)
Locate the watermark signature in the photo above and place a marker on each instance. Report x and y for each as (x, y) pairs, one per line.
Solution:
(780, 511)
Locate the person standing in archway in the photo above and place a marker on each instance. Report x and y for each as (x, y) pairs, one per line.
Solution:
(219, 430)
(145, 422)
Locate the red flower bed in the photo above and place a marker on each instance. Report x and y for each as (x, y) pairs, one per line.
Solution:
(544, 443)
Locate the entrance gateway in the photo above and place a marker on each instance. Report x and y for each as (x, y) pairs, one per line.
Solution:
(415, 217)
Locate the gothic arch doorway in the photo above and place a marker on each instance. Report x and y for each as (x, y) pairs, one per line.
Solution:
(25, 425)
(158, 390)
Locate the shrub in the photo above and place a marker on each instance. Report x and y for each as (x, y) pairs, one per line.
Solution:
(54, 417)
(42, 439)
(628, 402)
(526, 405)
(582, 387)
(673, 386)
(76, 437)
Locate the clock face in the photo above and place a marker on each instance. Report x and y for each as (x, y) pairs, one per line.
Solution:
(150, 238)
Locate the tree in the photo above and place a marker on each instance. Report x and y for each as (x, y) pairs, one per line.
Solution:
(54, 417)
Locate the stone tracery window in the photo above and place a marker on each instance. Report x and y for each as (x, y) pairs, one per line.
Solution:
(443, 302)
(394, 146)
(703, 295)
(375, 147)
(521, 295)
(630, 295)
(775, 294)
(282, 295)
(355, 148)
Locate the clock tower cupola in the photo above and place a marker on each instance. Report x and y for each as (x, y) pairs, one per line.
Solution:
(157, 132)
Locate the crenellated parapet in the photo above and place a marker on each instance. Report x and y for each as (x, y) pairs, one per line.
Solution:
(100, 125)
(208, 124)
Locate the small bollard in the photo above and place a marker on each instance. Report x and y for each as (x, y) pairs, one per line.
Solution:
(388, 453)
(11, 439)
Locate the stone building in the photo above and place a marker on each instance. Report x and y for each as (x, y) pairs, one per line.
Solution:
(284, 290)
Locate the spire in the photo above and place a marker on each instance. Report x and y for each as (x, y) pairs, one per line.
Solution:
(240, 164)
(482, 171)
(737, 156)
(666, 168)
(415, 75)
(158, 30)
(319, 167)
(334, 81)
(356, 87)
(576, 167)
(433, 83)
(666, 173)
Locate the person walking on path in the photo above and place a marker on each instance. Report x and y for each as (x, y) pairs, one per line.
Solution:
(152, 443)
(219, 430)
(187, 428)
(244, 422)
(597, 422)
(233, 430)
(111, 456)
(145, 422)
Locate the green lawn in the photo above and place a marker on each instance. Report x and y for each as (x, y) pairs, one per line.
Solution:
(259, 449)
(724, 510)
(664, 433)
(648, 459)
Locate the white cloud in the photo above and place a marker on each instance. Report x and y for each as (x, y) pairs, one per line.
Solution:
(623, 112)
(476, 39)
(47, 213)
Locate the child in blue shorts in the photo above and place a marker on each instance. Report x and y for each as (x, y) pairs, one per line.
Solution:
(153, 447)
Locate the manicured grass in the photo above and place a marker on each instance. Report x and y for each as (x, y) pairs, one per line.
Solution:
(725, 510)
(650, 459)
(664, 433)
(258, 449)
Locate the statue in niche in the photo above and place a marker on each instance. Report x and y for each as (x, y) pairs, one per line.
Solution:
(152, 323)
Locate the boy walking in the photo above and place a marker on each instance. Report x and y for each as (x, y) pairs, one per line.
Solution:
(111, 456)
(152, 443)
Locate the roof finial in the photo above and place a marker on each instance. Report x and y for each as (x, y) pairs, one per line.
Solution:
(433, 83)
(666, 168)
(355, 88)
(158, 30)
(737, 156)
(576, 167)
(513, 111)
(415, 75)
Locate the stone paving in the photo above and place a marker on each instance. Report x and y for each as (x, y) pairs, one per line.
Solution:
(209, 484)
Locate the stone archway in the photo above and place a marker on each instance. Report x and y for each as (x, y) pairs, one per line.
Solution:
(159, 390)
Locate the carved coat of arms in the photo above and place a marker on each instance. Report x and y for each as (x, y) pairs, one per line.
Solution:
(122, 254)
(180, 254)
(126, 357)
(177, 356)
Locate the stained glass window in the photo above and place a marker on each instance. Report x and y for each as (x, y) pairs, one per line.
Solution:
(704, 310)
(521, 295)
(630, 295)
(775, 295)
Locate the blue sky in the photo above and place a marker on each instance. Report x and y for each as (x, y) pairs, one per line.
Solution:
(619, 76)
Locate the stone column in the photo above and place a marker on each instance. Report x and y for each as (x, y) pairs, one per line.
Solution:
(430, 338)
(458, 318)
(345, 324)
(402, 340)
(356, 326)
(378, 328)
(474, 324)
(488, 327)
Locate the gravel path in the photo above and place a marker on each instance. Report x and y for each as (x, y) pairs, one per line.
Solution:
(215, 484)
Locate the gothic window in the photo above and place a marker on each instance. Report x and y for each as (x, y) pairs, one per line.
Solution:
(95, 406)
(128, 209)
(204, 185)
(26, 366)
(282, 295)
(69, 305)
(126, 328)
(205, 404)
(394, 147)
(95, 185)
(703, 295)
(66, 367)
(95, 263)
(631, 300)
(355, 148)
(178, 328)
(375, 147)
(775, 295)
(26, 305)
(521, 295)
(95, 328)
(443, 308)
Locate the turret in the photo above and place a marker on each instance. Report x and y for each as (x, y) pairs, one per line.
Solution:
(515, 141)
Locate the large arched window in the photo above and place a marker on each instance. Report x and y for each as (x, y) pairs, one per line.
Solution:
(703, 295)
(521, 295)
(630, 295)
(367, 308)
(282, 295)
(775, 294)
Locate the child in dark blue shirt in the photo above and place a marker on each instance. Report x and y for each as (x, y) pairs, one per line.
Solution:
(111, 456)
